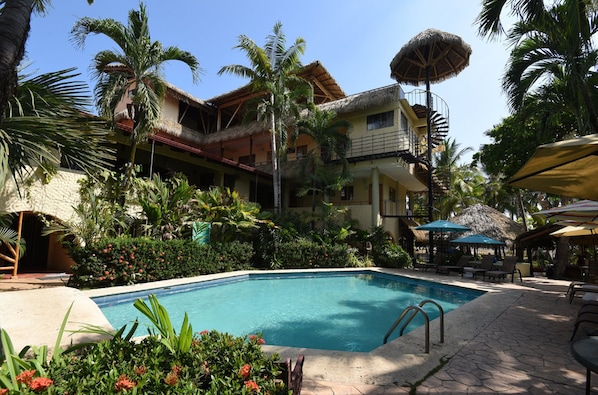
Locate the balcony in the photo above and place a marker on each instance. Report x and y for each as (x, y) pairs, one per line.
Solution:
(398, 143)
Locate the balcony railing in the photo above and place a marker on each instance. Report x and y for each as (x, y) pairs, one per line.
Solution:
(402, 143)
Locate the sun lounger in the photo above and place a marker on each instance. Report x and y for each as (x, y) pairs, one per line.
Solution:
(485, 265)
(588, 313)
(581, 287)
(461, 263)
(508, 268)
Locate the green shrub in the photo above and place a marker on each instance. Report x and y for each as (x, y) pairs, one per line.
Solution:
(208, 362)
(123, 261)
(390, 255)
(308, 254)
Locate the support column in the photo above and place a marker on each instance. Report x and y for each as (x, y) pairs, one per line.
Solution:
(375, 197)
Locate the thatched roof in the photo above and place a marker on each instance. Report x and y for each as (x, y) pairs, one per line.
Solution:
(445, 55)
(365, 100)
(490, 222)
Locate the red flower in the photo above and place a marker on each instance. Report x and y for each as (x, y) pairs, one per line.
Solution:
(25, 377)
(251, 386)
(171, 378)
(3, 391)
(124, 383)
(244, 371)
(39, 384)
(140, 370)
(204, 332)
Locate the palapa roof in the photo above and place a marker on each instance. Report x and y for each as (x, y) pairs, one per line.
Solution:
(444, 54)
(490, 222)
(365, 100)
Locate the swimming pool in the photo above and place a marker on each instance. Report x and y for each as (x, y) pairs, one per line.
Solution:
(346, 311)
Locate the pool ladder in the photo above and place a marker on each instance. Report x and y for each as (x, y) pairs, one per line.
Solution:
(414, 310)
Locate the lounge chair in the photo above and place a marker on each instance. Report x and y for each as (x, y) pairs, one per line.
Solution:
(581, 287)
(508, 268)
(485, 265)
(461, 263)
(588, 313)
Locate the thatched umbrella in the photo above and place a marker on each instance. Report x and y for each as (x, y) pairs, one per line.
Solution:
(490, 222)
(430, 56)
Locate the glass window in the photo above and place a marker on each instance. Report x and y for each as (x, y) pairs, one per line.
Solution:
(379, 121)
(347, 193)
(404, 123)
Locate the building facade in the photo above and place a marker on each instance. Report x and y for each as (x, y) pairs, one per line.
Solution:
(215, 144)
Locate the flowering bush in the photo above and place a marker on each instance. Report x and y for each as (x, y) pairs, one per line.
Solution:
(123, 261)
(164, 362)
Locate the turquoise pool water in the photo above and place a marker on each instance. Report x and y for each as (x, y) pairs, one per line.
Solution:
(349, 311)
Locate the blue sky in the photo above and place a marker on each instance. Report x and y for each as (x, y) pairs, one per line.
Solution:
(355, 40)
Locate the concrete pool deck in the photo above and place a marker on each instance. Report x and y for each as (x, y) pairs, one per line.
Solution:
(514, 339)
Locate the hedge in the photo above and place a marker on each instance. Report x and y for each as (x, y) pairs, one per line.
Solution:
(125, 261)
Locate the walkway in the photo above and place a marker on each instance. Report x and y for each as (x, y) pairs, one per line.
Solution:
(514, 340)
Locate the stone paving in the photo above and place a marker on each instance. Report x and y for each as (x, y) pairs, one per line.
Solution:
(524, 349)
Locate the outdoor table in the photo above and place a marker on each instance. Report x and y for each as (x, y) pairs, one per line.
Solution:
(585, 351)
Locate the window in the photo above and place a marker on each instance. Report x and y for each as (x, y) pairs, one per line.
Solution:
(347, 193)
(404, 123)
(379, 121)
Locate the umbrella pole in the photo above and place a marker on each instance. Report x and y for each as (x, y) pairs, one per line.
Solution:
(429, 148)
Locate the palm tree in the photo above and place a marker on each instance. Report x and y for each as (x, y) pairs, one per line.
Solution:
(135, 69)
(447, 158)
(273, 72)
(46, 125)
(489, 19)
(332, 141)
(556, 50)
(15, 19)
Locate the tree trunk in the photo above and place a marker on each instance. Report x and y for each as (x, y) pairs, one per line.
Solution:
(275, 164)
(15, 24)
(562, 256)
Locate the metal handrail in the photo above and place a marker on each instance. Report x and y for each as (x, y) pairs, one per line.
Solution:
(440, 310)
(415, 309)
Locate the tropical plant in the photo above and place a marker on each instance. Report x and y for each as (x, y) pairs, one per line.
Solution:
(332, 141)
(164, 362)
(273, 73)
(167, 206)
(46, 126)
(135, 69)
(556, 51)
(231, 216)
(553, 45)
(97, 215)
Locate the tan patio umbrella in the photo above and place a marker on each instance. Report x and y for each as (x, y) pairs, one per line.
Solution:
(430, 56)
(581, 213)
(566, 168)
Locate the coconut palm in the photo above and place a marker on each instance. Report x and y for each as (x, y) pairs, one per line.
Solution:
(273, 71)
(46, 125)
(489, 19)
(134, 69)
(555, 53)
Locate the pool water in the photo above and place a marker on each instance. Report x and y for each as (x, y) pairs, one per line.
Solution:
(330, 311)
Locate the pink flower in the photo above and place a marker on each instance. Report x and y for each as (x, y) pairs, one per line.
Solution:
(3, 391)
